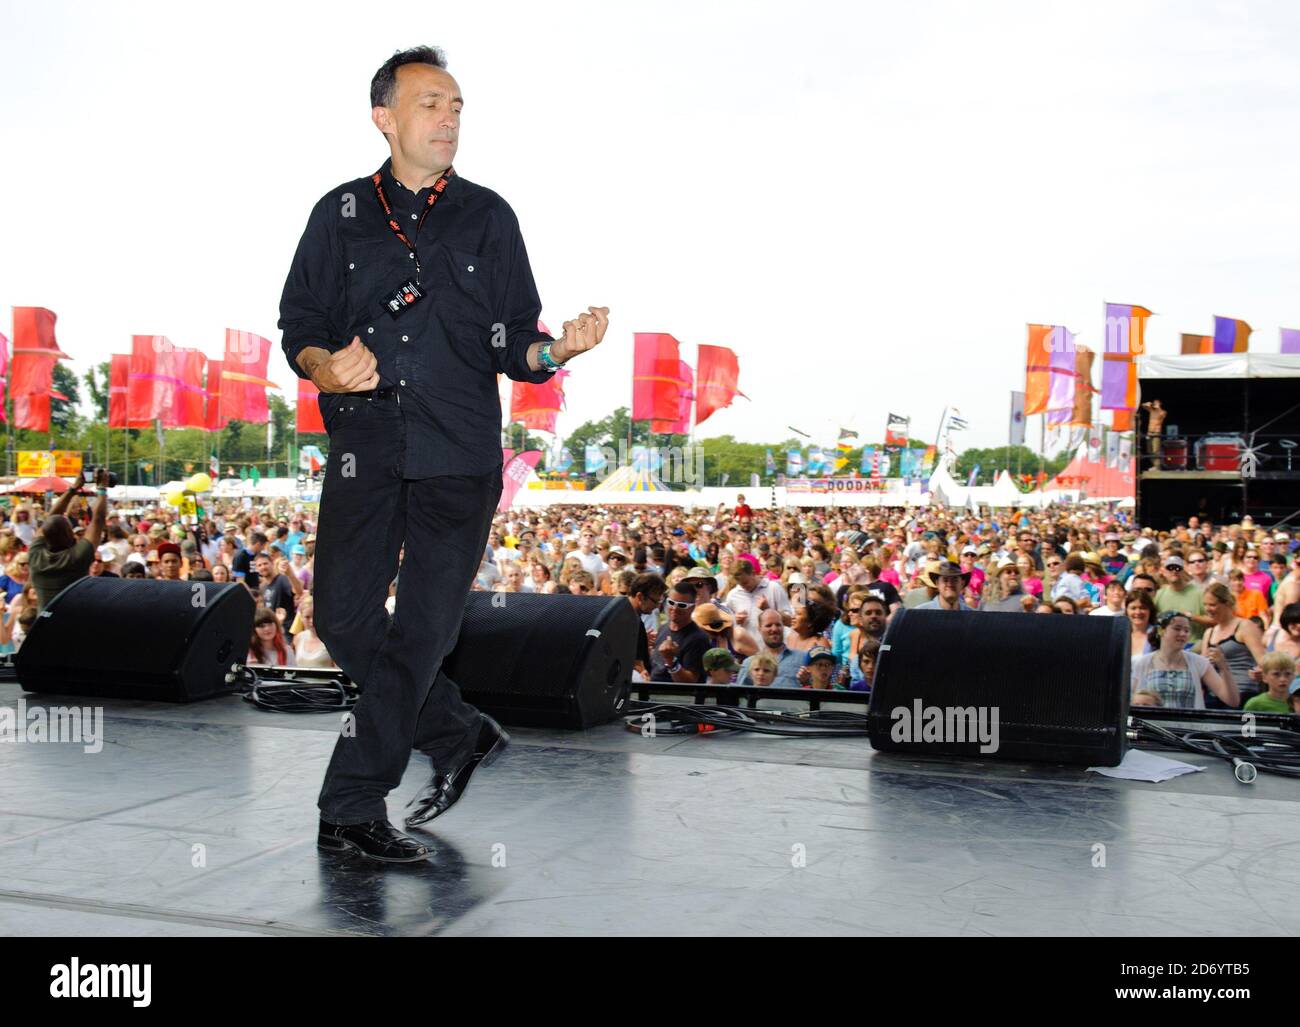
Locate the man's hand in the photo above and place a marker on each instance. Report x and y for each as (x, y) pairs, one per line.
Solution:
(581, 335)
(351, 369)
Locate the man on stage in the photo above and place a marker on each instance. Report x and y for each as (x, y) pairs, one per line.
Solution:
(426, 274)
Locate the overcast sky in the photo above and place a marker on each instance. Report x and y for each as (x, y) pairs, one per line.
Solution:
(867, 201)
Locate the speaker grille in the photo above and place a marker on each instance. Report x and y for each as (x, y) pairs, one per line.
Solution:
(1060, 684)
(165, 640)
(551, 660)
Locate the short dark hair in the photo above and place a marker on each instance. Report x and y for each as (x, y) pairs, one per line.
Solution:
(384, 84)
(648, 585)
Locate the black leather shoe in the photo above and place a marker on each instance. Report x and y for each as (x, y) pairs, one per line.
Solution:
(442, 791)
(377, 839)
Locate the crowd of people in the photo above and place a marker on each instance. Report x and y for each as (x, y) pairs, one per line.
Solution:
(786, 598)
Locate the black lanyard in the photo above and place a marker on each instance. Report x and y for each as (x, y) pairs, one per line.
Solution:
(439, 187)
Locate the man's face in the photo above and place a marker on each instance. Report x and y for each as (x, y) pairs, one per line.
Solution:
(262, 565)
(771, 627)
(950, 589)
(515, 578)
(171, 566)
(1173, 573)
(585, 541)
(1197, 566)
(680, 606)
(872, 619)
(423, 123)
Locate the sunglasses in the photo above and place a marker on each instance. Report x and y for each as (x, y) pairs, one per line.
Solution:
(1195, 561)
(1173, 567)
(674, 604)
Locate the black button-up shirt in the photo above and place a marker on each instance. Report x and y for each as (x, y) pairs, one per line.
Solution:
(477, 319)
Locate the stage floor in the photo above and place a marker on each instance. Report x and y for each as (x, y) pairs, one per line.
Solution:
(202, 820)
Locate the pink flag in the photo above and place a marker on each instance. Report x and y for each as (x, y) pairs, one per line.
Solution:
(514, 473)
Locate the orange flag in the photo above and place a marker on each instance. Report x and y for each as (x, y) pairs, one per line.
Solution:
(309, 417)
(717, 373)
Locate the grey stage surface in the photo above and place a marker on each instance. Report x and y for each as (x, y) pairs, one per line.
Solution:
(610, 833)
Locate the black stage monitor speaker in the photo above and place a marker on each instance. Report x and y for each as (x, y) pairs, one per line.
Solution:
(1017, 686)
(545, 660)
(130, 638)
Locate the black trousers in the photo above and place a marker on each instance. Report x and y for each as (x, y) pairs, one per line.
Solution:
(368, 512)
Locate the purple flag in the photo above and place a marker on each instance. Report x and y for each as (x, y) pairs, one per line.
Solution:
(1291, 340)
(1060, 396)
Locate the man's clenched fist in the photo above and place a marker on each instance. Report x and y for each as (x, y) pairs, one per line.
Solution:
(351, 369)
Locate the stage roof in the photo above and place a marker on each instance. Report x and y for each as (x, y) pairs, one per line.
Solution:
(1220, 365)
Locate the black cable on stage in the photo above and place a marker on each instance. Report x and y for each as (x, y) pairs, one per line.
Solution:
(691, 718)
(1275, 750)
(306, 696)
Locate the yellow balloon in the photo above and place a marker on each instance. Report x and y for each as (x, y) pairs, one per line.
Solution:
(200, 482)
(175, 498)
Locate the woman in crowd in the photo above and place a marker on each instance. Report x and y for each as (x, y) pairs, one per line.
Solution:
(812, 620)
(1284, 636)
(268, 645)
(1177, 675)
(1247, 602)
(1030, 582)
(1141, 612)
(308, 649)
(1238, 639)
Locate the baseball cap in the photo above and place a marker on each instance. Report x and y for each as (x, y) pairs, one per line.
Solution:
(818, 652)
(106, 554)
(1175, 561)
(299, 548)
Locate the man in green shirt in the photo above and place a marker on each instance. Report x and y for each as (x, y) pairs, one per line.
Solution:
(1181, 593)
(57, 557)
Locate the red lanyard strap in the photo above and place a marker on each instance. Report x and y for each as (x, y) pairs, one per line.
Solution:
(439, 187)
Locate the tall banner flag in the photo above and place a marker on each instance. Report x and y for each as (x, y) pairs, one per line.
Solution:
(151, 382)
(1290, 340)
(215, 422)
(1231, 335)
(1112, 449)
(4, 375)
(1197, 344)
(593, 459)
(1083, 390)
(956, 423)
(1094, 444)
(974, 474)
(769, 464)
(656, 378)
(867, 465)
(816, 461)
(897, 430)
(1125, 450)
(928, 457)
(243, 377)
(31, 375)
(1049, 370)
(1121, 420)
(1016, 429)
(537, 405)
(187, 409)
(717, 374)
(681, 424)
(514, 473)
(1125, 341)
(309, 416)
(793, 463)
(843, 447)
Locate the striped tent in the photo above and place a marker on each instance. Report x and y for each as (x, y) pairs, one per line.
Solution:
(625, 479)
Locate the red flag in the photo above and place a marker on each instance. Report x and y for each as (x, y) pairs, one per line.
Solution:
(35, 351)
(151, 381)
(536, 406)
(213, 420)
(243, 377)
(32, 412)
(716, 375)
(656, 380)
(309, 417)
(686, 393)
(4, 376)
(118, 368)
(187, 409)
